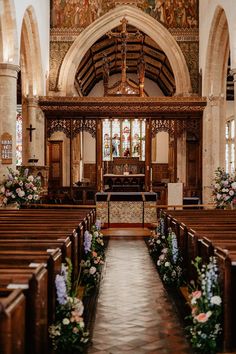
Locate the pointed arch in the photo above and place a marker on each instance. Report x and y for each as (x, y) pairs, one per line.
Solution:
(8, 34)
(218, 43)
(110, 20)
(30, 55)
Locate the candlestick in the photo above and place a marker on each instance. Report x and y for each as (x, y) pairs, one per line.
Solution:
(101, 180)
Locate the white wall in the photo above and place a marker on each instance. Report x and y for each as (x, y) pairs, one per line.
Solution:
(162, 147)
(89, 148)
(150, 87)
(42, 13)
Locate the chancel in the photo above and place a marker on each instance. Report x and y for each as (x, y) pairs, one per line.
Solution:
(117, 126)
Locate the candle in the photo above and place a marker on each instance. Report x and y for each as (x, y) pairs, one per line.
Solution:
(151, 175)
(101, 175)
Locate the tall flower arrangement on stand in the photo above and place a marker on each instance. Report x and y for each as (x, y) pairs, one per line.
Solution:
(224, 188)
(206, 317)
(68, 332)
(20, 187)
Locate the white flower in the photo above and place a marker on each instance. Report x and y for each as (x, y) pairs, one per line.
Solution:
(233, 185)
(216, 300)
(167, 264)
(3, 189)
(21, 194)
(92, 270)
(30, 178)
(65, 321)
(231, 192)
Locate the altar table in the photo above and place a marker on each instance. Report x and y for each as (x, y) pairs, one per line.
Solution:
(137, 208)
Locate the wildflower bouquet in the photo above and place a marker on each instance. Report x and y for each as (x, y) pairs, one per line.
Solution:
(68, 333)
(20, 187)
(224, 188)
(169, 263)
(206, 317)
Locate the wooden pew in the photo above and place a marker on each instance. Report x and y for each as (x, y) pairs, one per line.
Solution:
(52, 261)
(12, 321)
(34, 282)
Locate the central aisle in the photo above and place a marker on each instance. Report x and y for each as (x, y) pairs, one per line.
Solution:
(134, 313)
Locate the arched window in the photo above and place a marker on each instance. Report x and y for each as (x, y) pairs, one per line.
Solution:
(229, 146)
(123, 138)
(18, 136)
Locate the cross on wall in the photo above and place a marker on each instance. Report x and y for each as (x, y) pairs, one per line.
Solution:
(30, 129)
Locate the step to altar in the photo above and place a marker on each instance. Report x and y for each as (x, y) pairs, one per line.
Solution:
(135, 232)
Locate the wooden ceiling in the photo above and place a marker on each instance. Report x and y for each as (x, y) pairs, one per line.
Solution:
(157, 66)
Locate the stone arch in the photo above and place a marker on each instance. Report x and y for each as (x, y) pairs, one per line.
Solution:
(216, 63)
(214, 86)
(110, 20)
(30, 55)
(8, 34)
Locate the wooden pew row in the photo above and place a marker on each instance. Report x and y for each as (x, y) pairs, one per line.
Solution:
(12, 324)
(22, 259)
(88, 216)
(192, 230)
(29, 225)
(33, 281)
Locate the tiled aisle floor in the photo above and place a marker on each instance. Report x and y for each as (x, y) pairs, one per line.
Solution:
(134, 313)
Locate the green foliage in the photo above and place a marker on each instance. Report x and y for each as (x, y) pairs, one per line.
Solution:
(206, 316)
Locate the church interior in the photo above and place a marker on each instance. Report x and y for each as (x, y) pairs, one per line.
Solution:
(117, 176)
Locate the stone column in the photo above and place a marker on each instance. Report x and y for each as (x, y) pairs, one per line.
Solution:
(8, 79)
(30, 149)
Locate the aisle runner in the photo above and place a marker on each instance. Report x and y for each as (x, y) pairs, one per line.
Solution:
(134, 313)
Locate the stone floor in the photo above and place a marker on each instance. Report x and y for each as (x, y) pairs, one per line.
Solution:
(134, 312)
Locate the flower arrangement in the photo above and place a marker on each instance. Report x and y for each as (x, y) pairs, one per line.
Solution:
(93, 260)
(156, 243)
(68, 332)
(169, 263)
(206, 316)
(224, 188)
(20, 187)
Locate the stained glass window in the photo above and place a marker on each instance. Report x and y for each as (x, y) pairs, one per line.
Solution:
(230, 146)
(18, 137)
(123, 137)
(115, 141)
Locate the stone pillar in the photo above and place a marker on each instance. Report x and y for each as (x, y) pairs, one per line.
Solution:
(30, 148)
(8, 79)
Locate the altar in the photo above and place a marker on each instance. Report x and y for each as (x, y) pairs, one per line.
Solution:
(136, 208)
(130, 182)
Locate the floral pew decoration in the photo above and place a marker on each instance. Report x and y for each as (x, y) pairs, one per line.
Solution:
(93, 259)
(20, 187)
(206, 316)
(157, 241)
(67, 333)
(169, 263)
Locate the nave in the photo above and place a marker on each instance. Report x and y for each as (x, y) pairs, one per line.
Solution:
(135, 314)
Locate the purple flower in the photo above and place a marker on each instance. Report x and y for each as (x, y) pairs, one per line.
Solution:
(98, 224)
(61, 289)
(87, 242)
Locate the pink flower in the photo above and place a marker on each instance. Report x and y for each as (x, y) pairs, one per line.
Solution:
(197, 294)
(203, 317)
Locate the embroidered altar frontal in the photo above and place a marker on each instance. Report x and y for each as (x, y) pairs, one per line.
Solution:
(126, 208)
